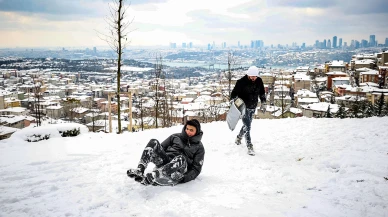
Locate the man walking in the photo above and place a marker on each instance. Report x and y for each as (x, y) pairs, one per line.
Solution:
(249, 88)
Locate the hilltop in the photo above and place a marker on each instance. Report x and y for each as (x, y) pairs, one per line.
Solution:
(302, 167)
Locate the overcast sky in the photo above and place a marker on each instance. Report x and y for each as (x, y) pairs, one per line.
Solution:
(74, 23)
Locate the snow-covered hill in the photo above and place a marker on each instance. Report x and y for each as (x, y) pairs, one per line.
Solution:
(303, 167)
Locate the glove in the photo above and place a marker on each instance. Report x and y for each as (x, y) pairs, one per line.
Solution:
(263, 107)
(176, 176)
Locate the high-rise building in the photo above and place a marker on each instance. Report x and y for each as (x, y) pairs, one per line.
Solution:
(328, 44)
(372, 40)
(340, 43)
(94, 49)
(238, 44)
(183, 45)
(324, 43)
(209, 47)
(386, 41)
(356, 44)
(335, 42)
(190, 44)
(364, 43)
(345, 44)
(317, 44)
(303, 45)
(172, 45)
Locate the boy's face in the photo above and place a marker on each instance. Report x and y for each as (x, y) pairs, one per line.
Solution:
(190, 130)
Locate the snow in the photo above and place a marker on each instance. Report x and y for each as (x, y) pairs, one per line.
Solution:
(303, 167)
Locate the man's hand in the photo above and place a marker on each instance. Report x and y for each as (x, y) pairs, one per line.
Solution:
(263, 107)
(176, 176)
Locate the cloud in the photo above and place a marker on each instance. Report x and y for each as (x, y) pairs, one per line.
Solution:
(303, 3)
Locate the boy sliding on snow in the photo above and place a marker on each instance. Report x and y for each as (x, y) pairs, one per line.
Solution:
(178, 159)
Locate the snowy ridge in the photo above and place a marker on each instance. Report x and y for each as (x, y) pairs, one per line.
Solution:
(303, 167)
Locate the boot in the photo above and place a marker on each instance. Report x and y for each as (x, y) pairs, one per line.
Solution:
(238, 140)
(137, 174)
(250, 150)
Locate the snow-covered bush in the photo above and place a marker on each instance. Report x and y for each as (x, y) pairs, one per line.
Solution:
(35, 134)
(70, 133)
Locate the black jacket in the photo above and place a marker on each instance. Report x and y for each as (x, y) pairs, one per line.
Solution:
(249, 91)
(190, 147)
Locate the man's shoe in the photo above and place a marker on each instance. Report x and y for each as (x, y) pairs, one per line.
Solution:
(136, 174)
(250, 150)
(238, 140)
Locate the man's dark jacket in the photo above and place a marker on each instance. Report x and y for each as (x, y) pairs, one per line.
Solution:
(190, 147)
(249, 91)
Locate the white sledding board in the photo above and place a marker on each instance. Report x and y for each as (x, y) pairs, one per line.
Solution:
(235, 113)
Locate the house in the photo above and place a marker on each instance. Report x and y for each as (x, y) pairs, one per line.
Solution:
(14, 121)
(6, 132)
(336, 66)
(14, 111)
(318, 109)
(331, 76)
(79, 112)
(54, 111)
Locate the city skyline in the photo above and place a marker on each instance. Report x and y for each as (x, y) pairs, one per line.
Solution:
(55, 23)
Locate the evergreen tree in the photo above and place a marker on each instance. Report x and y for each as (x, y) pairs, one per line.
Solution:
(328, 113)
(385, 109)
(369, 110)
(379, 105)
(341, 111)
(355, 109)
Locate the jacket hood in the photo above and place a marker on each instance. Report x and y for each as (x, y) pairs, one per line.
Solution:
(194, 139)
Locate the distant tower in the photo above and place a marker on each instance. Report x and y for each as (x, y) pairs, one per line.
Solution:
(94, 49)
(340, 42)
(328, 44)
(324, 43)
(386, 41)
(335, 42)
(238, 44)
(372, 40)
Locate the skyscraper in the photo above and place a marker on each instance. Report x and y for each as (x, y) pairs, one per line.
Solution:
(328, 44)
(372, 40)
(364, 43)
(386, 41)
(324, 43)
(335, 42)
(172, 45)
(340, 43)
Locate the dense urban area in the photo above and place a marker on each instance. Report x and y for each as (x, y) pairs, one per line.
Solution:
(165, 87)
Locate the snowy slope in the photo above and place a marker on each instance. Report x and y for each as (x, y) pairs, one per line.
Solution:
(303, 167)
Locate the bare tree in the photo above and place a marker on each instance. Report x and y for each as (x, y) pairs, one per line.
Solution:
(94, 112)
(229, 74)
(117, 40)
(37, 96)
(158, 73)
